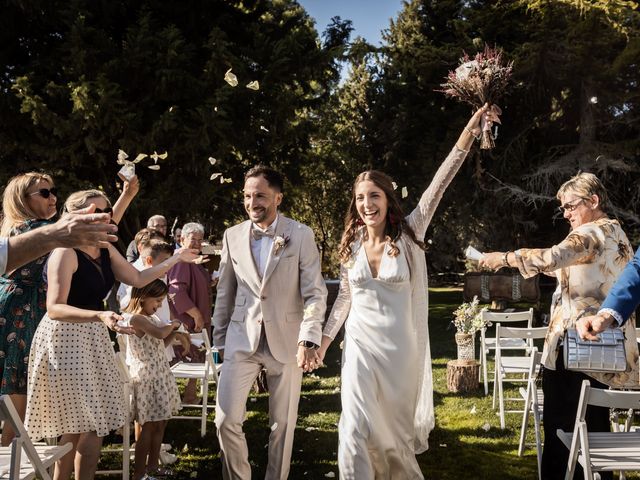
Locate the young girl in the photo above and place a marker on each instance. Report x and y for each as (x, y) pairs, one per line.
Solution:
(156, 397)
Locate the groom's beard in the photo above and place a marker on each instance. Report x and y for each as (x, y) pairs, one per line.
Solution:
(258, 215)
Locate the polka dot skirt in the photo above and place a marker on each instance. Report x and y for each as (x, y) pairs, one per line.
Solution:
(74, 385)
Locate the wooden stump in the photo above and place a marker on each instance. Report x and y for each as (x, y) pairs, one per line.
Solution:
(463, 376)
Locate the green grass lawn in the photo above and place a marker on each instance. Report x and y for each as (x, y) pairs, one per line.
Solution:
(459, 446)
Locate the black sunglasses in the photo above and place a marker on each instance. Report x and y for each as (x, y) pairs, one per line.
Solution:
(104, 210)
(45, 192)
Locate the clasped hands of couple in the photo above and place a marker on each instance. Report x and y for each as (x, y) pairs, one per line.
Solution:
(309, 358)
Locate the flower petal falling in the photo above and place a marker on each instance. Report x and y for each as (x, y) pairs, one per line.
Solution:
(230, 78)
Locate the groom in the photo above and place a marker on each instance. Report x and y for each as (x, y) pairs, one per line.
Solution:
(269, 313)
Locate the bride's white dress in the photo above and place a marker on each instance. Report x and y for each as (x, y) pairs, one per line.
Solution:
(380, 374)
(387, 387)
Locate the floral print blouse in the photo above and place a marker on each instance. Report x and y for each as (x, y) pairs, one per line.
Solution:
(586, 263)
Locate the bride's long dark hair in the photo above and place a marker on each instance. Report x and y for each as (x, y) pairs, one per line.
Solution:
(395, 224)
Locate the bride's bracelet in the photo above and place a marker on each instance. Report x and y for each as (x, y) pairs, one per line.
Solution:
(467, 129)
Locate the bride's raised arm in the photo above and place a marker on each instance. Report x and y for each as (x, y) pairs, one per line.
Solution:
(421, 216)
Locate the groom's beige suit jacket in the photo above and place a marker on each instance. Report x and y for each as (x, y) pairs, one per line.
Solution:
(289, 300)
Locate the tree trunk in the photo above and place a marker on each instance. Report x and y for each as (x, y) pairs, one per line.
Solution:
(463, 375)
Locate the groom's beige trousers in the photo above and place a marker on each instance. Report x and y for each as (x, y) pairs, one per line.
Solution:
(236, 379)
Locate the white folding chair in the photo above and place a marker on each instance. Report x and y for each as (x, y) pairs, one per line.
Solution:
(512, 369)
(125, 449)
(533, 403)
(38, 459)
(489, 343)
(206, 372)
(602, 451)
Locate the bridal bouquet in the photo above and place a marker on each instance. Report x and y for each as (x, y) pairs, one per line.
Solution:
(480, 80)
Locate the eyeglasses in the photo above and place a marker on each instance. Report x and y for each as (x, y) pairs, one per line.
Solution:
(45, 192)
(570, 206)
(108, 210)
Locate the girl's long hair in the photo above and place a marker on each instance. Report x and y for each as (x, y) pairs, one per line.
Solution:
(395, 226)
(157, 288)
(15, 210)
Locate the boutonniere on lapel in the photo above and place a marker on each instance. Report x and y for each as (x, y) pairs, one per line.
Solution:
(279, 243)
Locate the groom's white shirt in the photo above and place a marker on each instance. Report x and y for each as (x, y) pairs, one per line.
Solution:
(261, 249)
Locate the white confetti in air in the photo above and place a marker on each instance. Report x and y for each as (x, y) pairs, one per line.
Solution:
(212, 160)
(274, 426)
(170, 109)
(395, 185)
(154, 167)
(225, 180)
(486, 427)
(262, 127)
(473, 410)
(253, 85)
(593, 100)
(443, 445)
(155, 156)
(215, 109)
(122, 156)
(404, 192)
(215, 175)
(230, 78)
(140, 157)
(330, 475)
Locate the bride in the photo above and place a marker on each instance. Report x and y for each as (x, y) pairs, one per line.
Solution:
(387, 391)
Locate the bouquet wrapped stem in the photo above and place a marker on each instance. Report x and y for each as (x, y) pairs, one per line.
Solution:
(480, 80)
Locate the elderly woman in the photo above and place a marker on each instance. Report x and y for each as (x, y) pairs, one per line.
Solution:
(29, 202)
(190, 296)
(586, 263)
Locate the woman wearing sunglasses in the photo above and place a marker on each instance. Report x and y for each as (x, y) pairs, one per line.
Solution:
(586, 264)
(75, 391)
(29, 202)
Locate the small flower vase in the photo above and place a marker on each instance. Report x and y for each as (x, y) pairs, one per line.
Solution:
(466, 346)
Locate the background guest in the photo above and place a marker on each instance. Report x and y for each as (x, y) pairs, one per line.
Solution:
(156, 223)
(190, 287)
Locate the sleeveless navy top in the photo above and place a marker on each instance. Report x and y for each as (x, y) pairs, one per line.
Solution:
(91, 282)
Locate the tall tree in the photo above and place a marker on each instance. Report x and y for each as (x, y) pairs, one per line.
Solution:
(82, 79)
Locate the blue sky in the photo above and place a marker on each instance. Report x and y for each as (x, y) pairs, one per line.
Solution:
(369, 17)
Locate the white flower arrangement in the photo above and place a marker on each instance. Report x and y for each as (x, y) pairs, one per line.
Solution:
(468, 317)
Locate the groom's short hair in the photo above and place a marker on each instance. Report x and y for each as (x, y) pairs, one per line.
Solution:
(273, 177)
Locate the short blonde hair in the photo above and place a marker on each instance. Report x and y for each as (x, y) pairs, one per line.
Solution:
(15, 210)
(79, 200)
(585, 185)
